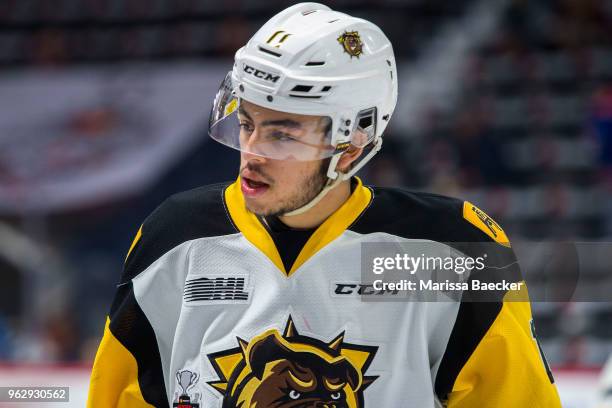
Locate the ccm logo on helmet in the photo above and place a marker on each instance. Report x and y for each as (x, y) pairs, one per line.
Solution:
(266, 76)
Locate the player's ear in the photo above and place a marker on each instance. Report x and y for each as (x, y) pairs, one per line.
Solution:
(348, 158)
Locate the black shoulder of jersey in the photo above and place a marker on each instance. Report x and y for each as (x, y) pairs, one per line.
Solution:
(184, 216)
(427, 216)
(417, 215)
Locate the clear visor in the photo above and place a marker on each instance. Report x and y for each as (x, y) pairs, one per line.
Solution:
(253, 129)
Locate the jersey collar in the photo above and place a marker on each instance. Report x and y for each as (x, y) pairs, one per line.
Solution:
(256, 233)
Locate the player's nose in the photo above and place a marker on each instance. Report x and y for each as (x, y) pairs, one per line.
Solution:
(251, 146)
(252, 157)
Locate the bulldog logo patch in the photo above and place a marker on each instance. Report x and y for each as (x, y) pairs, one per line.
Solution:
(290, 370)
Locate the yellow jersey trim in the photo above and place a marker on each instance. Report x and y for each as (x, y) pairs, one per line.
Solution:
(134, 242)
(249, 224)
(506, 369)
(330, 229)
(114, 378)
(486, 224)
(336, 224)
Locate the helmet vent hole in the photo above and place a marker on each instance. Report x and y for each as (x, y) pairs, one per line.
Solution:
(305, 96)
(333, 21)
(301, 88)
(266, 51)
(326, 88)
(315, 63)
(366, 126)
(365, 122)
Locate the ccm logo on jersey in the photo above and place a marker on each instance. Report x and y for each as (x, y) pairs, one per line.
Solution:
(257, 73)
(216, 289)
(346, 289)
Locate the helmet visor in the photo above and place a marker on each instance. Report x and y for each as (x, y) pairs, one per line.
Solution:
(253, 129)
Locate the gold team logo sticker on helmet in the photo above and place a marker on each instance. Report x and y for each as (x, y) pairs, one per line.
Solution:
(351, 43)
(291, 370)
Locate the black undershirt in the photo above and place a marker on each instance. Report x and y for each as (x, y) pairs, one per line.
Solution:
(290, 241)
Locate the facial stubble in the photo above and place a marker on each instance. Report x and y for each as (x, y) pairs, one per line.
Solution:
(312, 186)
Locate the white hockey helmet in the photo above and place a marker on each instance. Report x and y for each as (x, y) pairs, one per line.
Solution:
(311, 60)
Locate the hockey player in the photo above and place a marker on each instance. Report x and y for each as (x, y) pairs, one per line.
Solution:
(249, 294)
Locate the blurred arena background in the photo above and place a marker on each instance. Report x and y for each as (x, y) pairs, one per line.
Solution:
(507, 103)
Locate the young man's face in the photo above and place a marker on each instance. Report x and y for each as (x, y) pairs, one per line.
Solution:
(273, 182)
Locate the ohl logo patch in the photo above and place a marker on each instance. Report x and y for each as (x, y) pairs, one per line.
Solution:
(290, 371)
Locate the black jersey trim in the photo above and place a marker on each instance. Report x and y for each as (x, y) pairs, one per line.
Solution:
(289, 241)
(197, 213)
(132, 329)
(426, 216)
(473, 321)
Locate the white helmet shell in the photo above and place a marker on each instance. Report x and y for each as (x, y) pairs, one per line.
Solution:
(309, 59)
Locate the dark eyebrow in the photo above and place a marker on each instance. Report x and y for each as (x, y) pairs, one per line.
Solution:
(244, 112)
(288, 123)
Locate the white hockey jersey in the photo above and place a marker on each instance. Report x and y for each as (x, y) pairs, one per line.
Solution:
(214, 309)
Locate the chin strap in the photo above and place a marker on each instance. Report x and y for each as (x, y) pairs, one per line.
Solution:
(330, 184)
(335, 178)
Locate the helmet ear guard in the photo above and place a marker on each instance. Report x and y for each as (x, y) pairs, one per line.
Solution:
(362, 136)
(364, 132)
(370, 151)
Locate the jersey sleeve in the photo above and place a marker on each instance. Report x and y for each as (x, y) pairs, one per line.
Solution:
(127, 369)
(493, 357)
(132, 365)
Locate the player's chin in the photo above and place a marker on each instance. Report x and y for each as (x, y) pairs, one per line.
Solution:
(259, 206)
